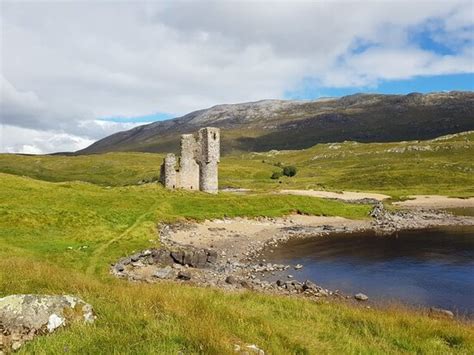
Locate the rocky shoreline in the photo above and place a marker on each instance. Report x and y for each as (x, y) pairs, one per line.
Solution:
(228, 253)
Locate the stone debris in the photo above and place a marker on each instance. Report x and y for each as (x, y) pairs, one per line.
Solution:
(22, 317)
(387, 222)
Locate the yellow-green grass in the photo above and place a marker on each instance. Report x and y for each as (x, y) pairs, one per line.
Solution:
(61, 238)
(442, 166)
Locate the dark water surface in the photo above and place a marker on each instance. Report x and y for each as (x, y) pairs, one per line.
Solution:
(426, 267)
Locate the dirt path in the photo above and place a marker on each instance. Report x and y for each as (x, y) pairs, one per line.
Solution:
(436, 201)
(344, 195)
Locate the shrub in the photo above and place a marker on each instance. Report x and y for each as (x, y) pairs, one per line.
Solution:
(276, 175)
(289, 171)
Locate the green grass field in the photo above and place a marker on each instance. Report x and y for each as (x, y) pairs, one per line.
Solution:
(60, 237)
(442, 166)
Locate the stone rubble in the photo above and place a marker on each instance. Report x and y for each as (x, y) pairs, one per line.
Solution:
(387, 222)
(207, 267)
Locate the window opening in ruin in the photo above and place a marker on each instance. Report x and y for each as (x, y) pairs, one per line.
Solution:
(214, 136)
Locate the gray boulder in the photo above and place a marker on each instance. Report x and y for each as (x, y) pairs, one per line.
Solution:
(184, 275)
(361, 297)
(231, 280)
(197, 258)
(309, 285)
(441, 312)
(165, 273)
(22, 317)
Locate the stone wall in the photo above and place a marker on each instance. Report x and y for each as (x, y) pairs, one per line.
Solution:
(169, 177)
(209, 139)
(188, 167)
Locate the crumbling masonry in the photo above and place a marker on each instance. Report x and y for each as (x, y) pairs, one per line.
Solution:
(198, 163)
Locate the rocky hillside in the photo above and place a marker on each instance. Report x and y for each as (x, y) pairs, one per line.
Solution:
(279, 124)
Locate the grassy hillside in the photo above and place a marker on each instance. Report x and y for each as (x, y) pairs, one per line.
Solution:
(441, 166)
(61, 238)
(115, 169)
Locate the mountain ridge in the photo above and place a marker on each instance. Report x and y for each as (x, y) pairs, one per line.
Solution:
(296, 124)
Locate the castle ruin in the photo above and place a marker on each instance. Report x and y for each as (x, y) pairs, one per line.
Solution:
(198, 163)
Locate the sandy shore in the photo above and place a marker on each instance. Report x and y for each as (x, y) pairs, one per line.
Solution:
(343, 195)
(235, 236)
(436, 201)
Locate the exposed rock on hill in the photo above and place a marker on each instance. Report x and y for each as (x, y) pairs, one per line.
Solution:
(279, 124)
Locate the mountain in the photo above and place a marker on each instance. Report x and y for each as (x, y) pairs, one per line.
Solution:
(288, 124)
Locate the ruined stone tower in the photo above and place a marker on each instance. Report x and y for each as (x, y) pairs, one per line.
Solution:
(209, 141)
(168, 171)
(188, 167)
(198, 164)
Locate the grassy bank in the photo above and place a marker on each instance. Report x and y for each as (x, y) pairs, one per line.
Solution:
(61, 238)
(441, 166)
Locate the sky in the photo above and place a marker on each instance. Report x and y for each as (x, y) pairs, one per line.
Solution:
(72, 72)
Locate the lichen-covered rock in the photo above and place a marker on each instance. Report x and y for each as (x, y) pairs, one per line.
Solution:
(22, 317)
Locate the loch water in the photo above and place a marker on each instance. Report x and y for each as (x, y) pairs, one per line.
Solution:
(431, 267)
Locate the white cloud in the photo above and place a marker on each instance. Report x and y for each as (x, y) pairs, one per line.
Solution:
(66, 64)
(30, 141)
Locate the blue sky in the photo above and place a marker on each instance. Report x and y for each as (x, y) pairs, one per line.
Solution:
(158, 116)
(422, 84)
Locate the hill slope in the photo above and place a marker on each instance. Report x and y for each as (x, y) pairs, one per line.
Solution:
(440, 166)
(278, 124)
